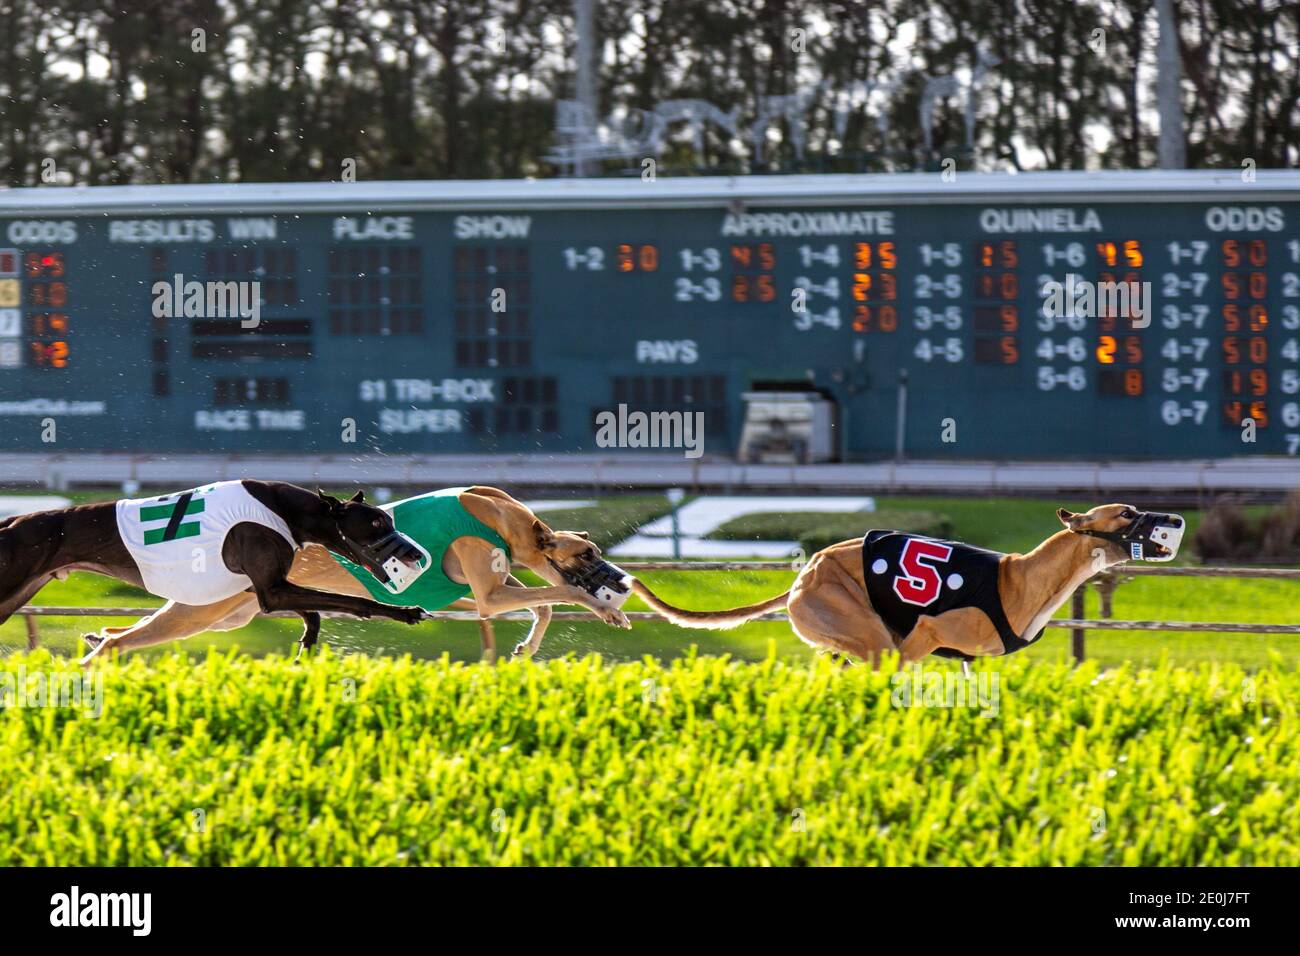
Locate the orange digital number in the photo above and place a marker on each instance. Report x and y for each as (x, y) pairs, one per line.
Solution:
(752, 289)
(1106, 349)
(1231, 254)
(49, 323)
(1257, 320)
(54, 355)
(1132, 350)
(633, 258)
(882, 319)
(1258, 350)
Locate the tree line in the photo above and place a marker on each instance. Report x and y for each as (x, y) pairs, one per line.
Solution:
(104, 92)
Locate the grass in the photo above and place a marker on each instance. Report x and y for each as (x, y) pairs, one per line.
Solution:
(615, 518)
(382, 761)
(815, 530)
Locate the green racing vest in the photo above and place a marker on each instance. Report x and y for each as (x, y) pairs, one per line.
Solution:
(434, 521)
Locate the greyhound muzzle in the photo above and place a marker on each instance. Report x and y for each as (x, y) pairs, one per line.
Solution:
(1152, 536)
(607, 583)
(395, 561)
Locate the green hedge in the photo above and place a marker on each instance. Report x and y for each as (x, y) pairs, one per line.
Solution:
(350, 761)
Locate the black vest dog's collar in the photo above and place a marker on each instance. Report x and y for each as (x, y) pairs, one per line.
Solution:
(1121, 537)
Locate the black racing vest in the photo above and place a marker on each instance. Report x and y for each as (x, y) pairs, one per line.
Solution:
(932, 576)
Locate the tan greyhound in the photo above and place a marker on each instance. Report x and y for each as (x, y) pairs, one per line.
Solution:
(473, 536)
(870, 595)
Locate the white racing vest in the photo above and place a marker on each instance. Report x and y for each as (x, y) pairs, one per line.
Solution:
(176, 540)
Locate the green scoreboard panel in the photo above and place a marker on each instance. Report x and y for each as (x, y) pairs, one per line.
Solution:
(502, 317)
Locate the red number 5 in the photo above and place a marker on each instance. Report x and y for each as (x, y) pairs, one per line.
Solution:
(920, 583)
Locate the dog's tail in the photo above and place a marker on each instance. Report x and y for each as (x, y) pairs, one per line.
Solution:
(708, 620)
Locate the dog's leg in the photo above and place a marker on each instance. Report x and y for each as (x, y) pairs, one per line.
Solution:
(241, 615)
(541, 621)
(24, 593)
(310, 631)
(964, 629)
(925, 636)
(530, 644)
(832, 618)
(283, 596)
(506, 598)
(489, 641)
(267, 560)
(173, 622)
(496, 591)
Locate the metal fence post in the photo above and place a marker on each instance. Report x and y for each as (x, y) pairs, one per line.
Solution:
(1106, 583)
(1077, 634)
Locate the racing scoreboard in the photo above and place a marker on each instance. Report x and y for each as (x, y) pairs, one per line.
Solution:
(504, 316)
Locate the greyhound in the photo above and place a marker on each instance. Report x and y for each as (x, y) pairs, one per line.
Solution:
(879, 593)
(222, 538)
(475, 557)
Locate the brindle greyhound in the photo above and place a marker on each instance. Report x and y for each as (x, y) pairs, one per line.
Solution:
(829, 606)
(36, 548)
(554, 556)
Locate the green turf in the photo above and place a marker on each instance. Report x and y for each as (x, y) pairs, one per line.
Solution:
(815, 530)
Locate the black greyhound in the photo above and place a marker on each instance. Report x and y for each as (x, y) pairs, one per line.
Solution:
(38, 547)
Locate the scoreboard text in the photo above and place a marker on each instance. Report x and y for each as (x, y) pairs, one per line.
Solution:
(464, 330)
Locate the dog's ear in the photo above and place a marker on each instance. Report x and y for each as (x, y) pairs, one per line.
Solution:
(582, 534)
(542, 535)
(1068, 518)
(329, 500)
(359, 497)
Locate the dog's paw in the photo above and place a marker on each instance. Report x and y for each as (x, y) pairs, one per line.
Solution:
(614, 617)
(93, 640)
(410, 615)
